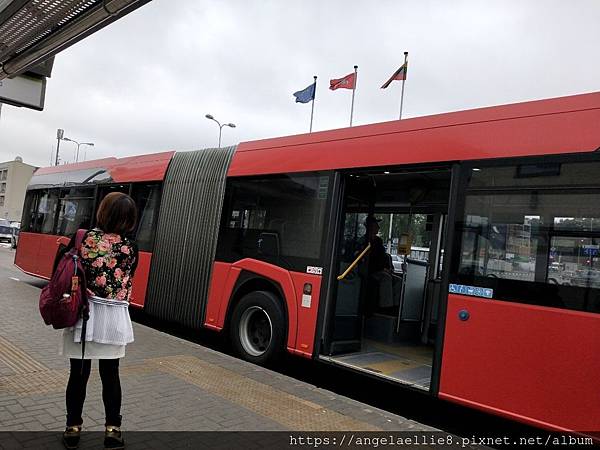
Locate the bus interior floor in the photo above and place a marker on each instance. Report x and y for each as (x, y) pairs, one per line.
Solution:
(408, 364)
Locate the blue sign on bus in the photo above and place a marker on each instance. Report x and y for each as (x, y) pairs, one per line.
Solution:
(473, 291)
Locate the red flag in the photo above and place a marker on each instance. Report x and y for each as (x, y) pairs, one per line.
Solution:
(399, 74)
(347, 82)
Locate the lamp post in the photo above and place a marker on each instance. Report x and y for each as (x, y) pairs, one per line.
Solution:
(91, 144)
(59, 135)
(231, 125)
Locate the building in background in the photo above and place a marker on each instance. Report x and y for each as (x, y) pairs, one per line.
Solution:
(14, 177)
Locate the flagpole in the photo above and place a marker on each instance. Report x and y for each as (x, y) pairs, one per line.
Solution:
(312, 109)
(353, 91)
(405, 73)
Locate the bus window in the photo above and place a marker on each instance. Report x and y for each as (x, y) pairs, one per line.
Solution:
(46, 212)
(279, 219)
(497, 237)
(147, 199)
(353, 239)
(103, 191)
(29, 210)
(76, 206)
(538, 244)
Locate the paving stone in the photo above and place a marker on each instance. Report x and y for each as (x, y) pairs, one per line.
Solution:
(167, 383)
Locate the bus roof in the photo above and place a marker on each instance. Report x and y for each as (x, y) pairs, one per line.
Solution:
(118, 170)
(560, 125)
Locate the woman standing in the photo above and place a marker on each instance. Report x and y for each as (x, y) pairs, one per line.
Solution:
(109, 259)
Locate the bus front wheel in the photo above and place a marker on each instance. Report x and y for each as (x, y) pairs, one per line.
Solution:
(258, 327)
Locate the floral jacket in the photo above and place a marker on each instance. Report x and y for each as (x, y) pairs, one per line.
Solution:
(109, 261)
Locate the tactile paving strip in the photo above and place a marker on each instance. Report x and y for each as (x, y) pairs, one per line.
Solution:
(32, 377)
(19, 361)
(43, 382)
(295, 413)
(286, 409)
(48, 381)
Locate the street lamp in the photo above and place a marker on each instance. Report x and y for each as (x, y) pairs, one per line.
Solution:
(579, 252)
(91, 144)
(59, 135)
(231, 125)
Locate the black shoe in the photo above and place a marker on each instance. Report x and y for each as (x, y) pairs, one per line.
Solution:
(71, 437)
(113, 440)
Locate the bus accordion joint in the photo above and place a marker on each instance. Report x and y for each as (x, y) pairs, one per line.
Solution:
(354, 263)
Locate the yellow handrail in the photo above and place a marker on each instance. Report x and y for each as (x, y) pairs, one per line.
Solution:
(354, 263)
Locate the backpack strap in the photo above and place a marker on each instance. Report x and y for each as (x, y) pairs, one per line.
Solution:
(85, 315)
(75, 242)
(83, 332)
(79, 238)
(85, 308)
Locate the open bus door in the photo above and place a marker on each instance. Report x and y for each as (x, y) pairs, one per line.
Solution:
(347, 313)
(397, 340)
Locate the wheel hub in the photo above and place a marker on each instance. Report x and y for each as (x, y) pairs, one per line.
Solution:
(256, 331)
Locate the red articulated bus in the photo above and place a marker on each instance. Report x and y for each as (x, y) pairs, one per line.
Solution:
(487, 291)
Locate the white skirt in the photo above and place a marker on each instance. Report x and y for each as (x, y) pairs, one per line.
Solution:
(108, 331)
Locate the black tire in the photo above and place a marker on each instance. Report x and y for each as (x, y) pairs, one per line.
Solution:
(257, 328)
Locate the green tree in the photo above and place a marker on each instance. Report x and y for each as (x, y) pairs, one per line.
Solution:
(400, 224)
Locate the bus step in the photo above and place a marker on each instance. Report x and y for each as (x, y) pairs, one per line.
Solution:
(345, 346)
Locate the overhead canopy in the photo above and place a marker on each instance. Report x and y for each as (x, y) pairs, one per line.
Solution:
(31, 31)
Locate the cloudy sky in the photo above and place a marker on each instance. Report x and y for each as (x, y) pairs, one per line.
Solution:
(144, 83)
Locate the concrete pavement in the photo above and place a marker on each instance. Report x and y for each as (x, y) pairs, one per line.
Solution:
(168, 383)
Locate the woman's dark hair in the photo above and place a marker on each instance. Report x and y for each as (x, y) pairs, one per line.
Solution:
(117, 214)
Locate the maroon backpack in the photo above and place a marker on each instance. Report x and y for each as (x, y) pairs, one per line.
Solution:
(64, 299)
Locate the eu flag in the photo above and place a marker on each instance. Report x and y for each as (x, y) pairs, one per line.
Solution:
(306, 95)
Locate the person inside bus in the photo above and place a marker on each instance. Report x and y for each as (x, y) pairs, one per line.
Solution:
(380, 269)
(109, 259)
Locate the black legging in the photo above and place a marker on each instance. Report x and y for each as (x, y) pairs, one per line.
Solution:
(111, 390)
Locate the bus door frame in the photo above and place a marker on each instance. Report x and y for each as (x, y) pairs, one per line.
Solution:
(325, 316)
(455, 211)
(433, 274)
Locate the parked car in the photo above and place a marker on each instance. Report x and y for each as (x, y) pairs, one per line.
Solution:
(16, 226)
(7, 233)
(586, 278)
